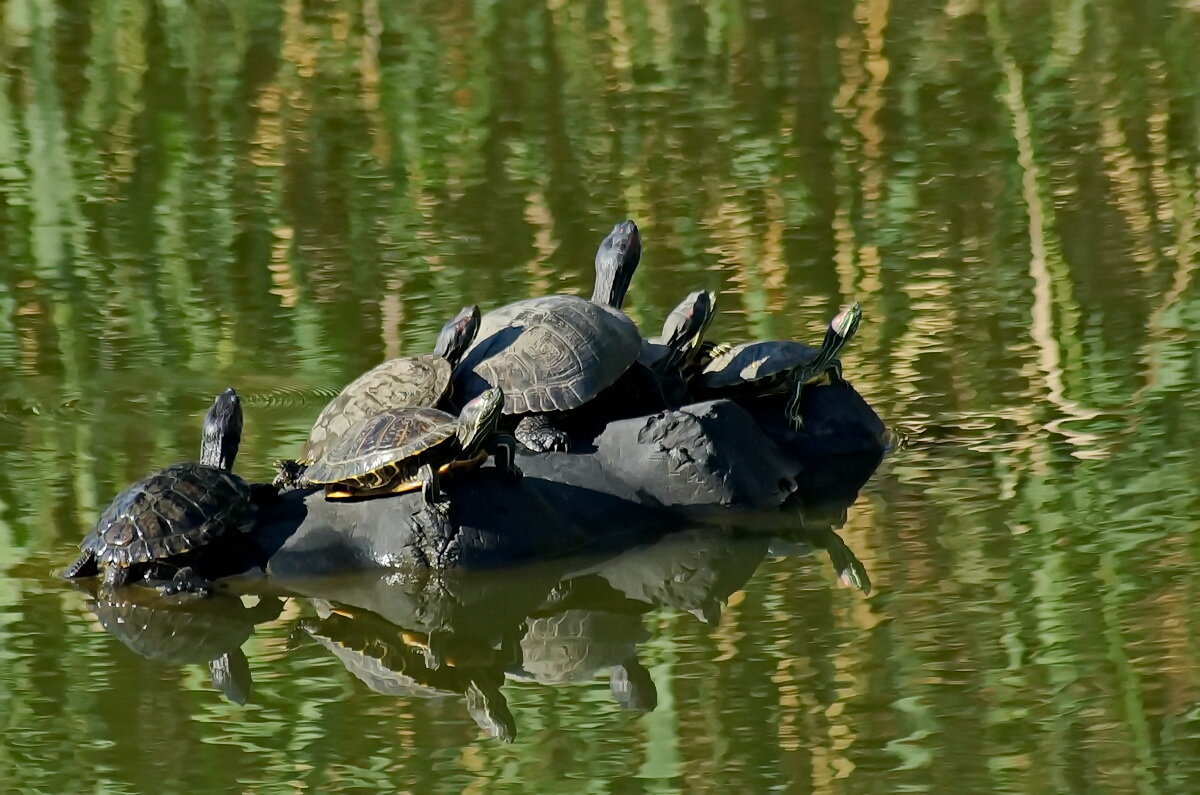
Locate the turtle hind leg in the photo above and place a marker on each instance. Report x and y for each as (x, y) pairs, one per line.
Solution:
(430, 483)
(536, 432)
(84, 566)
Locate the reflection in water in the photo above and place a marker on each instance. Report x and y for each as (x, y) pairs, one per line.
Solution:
(460, 634)
(277, 195)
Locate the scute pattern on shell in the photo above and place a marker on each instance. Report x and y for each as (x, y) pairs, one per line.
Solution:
(397, 383)
(549, 354)
(181, 508)
(753, 361)
(381, 440)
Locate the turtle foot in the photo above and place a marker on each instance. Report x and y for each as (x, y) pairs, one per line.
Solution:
(288, 474)
(537, 434)
(186, 581)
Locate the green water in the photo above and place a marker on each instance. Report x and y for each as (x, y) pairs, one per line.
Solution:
(279, 195)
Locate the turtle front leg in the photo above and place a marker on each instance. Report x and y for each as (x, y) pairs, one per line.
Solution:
(834, 373)
(504, 448)
(186, 580)
(114, 577)
(536, 432)
(795, 400)
(430, 485)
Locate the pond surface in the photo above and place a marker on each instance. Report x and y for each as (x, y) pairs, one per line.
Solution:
(278, 196)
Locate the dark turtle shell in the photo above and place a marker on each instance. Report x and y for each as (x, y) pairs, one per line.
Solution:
(397, 383)
(181, 508)
(548, 354)
(756, 361)
(382, 441)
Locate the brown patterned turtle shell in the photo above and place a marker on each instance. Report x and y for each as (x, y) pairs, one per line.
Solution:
(548, 354)
(397, 383)
(389, 447)
(182, 508)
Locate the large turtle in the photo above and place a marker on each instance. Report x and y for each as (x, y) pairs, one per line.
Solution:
(154, 529)
(780, 366)
(558, 352)
(407, 448)
(405, 381)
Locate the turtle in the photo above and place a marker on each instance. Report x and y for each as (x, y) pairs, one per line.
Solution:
(673, 356)
(156, 526)
(407, 448)
(779, 366)
(556, 353)
(405, 381)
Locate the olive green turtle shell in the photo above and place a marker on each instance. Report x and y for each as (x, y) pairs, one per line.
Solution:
(548, 354)
(179, 509)
(397, 383)
(383, 441)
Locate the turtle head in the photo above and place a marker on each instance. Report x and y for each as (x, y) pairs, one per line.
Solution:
(616, 260)
(683, 331)
(479, 418)
(222, 431)
(458, 333)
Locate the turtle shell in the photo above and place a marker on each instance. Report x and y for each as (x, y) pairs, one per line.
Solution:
(397, 383)
(756, 361)
(181, 508)
(380, 441)
(548, 354)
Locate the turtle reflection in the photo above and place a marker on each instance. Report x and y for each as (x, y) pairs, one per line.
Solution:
(210, 632)
(464, 636)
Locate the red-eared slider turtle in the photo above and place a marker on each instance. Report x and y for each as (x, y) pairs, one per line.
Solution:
(780, 366)
(152, 528)
(404, 449)
(397, 383)
(556, 353)
(674, 355)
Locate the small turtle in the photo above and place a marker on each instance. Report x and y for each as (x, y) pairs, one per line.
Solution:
(405, 381)
(153, 529)
(674, 355)
(780, 366)
(556, 353)
(407, 448)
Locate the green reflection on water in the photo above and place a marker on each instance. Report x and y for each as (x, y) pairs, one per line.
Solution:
(278, 195)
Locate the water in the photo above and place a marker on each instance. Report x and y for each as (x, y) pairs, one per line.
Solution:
(277, 196)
